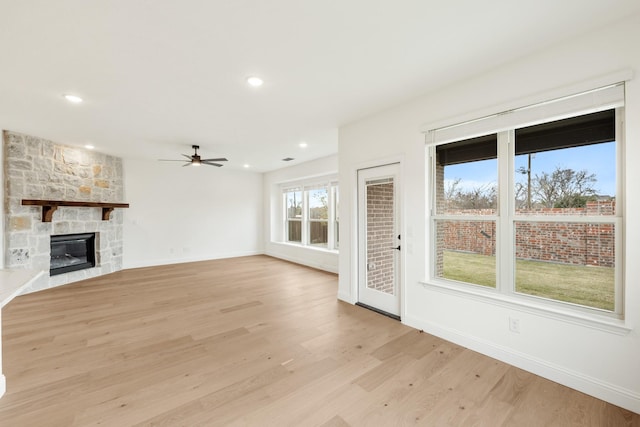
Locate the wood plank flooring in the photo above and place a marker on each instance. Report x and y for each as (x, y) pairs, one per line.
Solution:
(253, 341)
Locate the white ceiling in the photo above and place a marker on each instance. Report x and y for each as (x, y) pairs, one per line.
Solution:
(160, 75)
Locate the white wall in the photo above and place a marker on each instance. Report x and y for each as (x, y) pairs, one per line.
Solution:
(598, 362)
(274, 221)
(181, 214)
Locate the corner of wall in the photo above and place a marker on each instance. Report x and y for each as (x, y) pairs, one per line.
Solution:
(3, 385)
(4, 180)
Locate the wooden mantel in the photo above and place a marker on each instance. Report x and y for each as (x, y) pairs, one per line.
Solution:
(50, 206)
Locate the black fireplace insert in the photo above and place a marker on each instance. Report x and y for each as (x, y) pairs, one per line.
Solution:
(71, 252)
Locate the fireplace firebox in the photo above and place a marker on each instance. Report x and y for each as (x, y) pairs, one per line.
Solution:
(71, 252)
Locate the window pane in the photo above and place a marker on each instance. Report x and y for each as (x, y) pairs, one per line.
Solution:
(318, 233)
(318, 204)
(465, 251)
(294, 204)
(467, 177)
(294, 231)
(571, 262)
(567, 167)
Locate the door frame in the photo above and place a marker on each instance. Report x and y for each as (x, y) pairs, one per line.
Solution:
(355, 233)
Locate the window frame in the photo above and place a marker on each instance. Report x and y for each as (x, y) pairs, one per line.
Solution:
(310, 220)
(506, 219)
(285, 193)
(331, 187)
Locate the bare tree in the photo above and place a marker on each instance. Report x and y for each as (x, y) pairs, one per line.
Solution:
(451, 189)
(563, 188)
(481, 197)
(322, 211)
(521, 195)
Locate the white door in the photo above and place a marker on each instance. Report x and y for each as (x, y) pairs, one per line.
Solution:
(379, 240)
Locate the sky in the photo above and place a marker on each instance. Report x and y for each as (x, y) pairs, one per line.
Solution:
(599, 159)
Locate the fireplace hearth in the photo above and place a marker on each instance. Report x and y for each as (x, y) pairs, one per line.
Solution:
(72, 252)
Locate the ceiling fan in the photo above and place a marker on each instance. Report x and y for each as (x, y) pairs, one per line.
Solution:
(195, 159)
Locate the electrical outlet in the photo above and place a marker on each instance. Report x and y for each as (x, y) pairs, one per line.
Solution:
(514, 325)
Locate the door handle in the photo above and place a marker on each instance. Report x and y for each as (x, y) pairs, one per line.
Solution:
(396, 248)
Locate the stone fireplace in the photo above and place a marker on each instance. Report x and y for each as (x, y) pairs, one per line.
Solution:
(72, 252)
(36, 168)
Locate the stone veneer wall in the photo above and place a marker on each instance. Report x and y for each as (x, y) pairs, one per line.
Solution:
(36, 168)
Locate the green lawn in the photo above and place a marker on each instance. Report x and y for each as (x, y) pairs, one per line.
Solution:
(584, 285)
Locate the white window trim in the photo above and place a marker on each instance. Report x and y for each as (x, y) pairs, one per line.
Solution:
(600, 99)
(504, 294)
(331, 186)
(586, 85)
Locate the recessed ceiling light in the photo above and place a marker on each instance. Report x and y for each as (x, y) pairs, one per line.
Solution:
(89, 147)
(247, 165)
(255, 81)
(73, 98)
(303, 145)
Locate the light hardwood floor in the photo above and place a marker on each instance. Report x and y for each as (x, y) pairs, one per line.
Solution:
(253, 341)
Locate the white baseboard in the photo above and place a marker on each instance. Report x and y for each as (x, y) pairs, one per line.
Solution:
(3, 385)
(167, 261)
(345, 297)
(304, 261)
(611, 393)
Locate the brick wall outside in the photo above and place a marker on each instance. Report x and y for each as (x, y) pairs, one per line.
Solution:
(440, 235)
(568, 243)
(380, 237)
(469, 236)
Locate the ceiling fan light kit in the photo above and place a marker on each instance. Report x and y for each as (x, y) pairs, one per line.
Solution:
(196, 160)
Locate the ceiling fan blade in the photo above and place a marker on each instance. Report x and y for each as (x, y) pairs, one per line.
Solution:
(211, 164)
(168, 160)
(188, 157)
(221, 159)
(187, 164)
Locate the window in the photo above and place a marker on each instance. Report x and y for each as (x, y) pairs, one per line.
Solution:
(533, 209)
(318, 204)
(311, 215)
(565, 215)
(293, 203)
(466, 207)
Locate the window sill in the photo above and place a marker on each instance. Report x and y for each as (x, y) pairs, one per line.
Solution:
(594, 321)
(313, 248)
